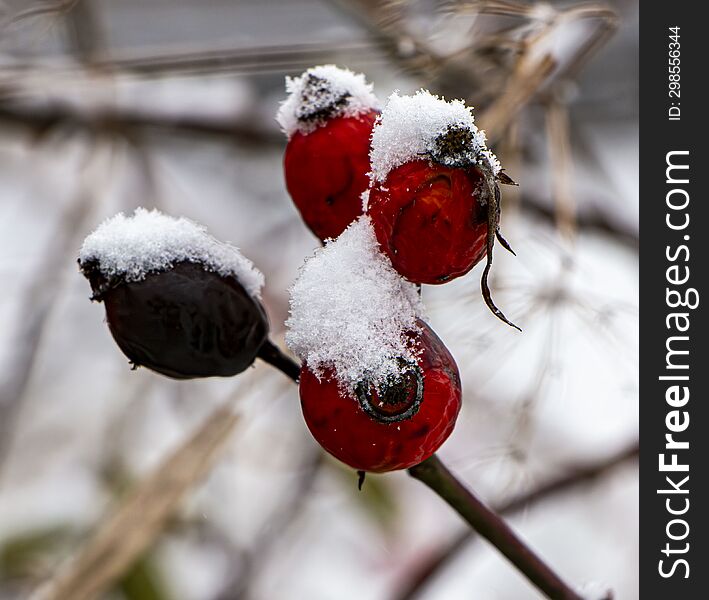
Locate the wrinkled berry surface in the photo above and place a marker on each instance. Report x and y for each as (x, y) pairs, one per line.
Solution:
(340, 424)
(429, 220)
(185, 322)
(326, 172)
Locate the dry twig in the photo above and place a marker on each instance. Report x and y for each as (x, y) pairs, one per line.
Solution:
(575, 477)
(142, 516)
(37, 302)
(559, 144)
(519, 91)
(493, 528)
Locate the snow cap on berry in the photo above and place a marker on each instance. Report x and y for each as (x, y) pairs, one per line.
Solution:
(322, 93)
(350, 311)
(149, 242)
(424, 125)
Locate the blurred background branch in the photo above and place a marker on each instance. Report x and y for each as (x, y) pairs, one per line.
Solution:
(576, 476)
(105, 106)
(142, 515)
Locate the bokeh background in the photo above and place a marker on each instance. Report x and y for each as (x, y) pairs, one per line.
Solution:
(107, 105)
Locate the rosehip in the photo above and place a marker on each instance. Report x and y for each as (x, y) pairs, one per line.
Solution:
(177, 300)
(434, 201)
(185, 322)
(391, 425)
(328, 118)
(429, 221)
(326, 173)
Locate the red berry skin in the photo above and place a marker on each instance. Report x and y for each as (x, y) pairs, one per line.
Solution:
(326, 172)
(345, 430)
(429, 220)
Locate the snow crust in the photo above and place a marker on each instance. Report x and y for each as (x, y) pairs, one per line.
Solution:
(350, 310)
(409, 129)
(321, 93)
(595, 590)
(149, 241)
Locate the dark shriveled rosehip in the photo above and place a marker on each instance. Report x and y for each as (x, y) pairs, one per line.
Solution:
(394, 427)
(183, 322)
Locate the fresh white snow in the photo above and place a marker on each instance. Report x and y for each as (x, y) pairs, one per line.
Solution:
(594, 590)
(350, 310)
(319, 89)
(410, 125)
(149, 241)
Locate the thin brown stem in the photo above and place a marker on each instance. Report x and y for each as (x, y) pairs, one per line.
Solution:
(141, 516)
(37, 302)
(590, 221)
(275, 533)
(559, 145)
(131, 123)
(486, 522)
(273, 355)
(191, 60)
(520, 89)
(571, 479)
(492, 527)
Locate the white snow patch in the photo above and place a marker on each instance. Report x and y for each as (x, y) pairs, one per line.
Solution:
(595, 590)
(409, 126)
(149, 241)
(364, 197)
(350, 310)
(325, 88)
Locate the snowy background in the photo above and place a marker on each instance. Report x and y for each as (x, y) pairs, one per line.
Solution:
(107, 105)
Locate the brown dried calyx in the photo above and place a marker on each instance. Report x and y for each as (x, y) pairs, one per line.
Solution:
(456, 147)
(318, 101)
(396, 399)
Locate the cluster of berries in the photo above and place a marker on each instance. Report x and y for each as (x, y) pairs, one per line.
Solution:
(420, 175)
(419, 168)
(400, 197)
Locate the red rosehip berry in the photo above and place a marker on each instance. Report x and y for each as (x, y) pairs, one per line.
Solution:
(328, 118)
(429, 220)
(434, 200)
(326, 173)
(389, 426)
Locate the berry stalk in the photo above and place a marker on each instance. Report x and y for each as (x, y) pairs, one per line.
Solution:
(492, 527)
(433, 473)
(273, 355)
